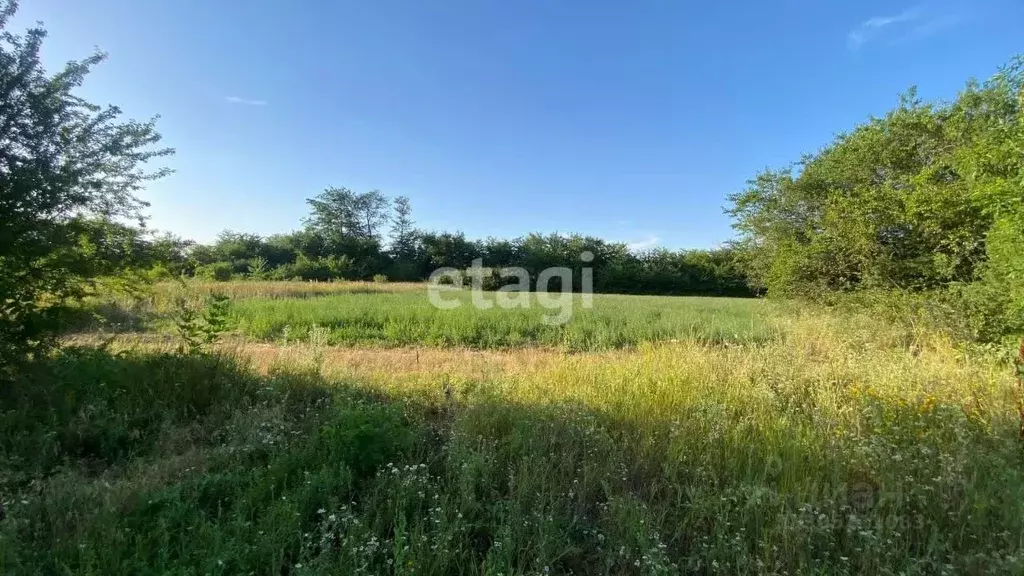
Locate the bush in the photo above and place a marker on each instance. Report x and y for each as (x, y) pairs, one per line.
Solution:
(159, 273)
(447, 280)
(218, 271)
(380, 278)
(975, 312)
(199, 329)
(979, 312)
(318, 269)
(257, 268)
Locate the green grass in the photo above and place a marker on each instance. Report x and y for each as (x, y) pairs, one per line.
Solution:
(408, 318)
(842, 447)
(396, 315)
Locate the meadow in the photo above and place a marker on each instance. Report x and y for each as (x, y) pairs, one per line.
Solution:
(838, 444)
(393, 315)
(224, 424)
(408, 318)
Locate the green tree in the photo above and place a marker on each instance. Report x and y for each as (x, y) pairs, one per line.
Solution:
(408, 257)
(926, 199)
(340, 213)
(448, 250)
(372, 210)
(64, 164)
(403, 232)
(169, 252)
(334, 213)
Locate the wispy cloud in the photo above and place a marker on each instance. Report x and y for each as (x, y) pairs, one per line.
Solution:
(245, 101)
(929, 28)
(649, 242)
(872, 27)
(908, 26)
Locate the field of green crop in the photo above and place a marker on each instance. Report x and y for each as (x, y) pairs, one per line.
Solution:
(824, 444)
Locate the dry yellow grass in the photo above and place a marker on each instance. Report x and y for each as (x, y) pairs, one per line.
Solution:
(365, 362)
(829, 357)
(682, 457)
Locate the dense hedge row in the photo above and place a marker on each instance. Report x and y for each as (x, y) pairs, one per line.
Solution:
(308, 255)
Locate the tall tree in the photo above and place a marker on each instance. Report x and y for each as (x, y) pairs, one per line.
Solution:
(372, 211)
(334, 213)
(64, 163)
(341, 214)
(403, 234)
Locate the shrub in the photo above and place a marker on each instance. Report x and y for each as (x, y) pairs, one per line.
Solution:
(925, 199)
(488, 278)
(159, 273)
(218, 271)
(201, 328)
(975, 312)
(70, 172)
(447, 280)
(380, 278)
(319, 269)
(257, 268)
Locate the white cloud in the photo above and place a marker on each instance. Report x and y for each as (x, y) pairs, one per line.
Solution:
(650, 242)
(246, 101)
(908, 26)
(871, 27)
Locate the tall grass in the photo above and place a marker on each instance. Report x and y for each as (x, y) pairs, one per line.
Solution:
(840, 447)
(408, 318)
(367, 314)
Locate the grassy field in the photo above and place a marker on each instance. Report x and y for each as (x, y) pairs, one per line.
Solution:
(391, 315)
(408, 318)
(840, 445)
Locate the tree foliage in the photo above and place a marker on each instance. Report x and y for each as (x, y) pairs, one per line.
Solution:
(336, 244)
(341, 214)
(69, 170)
(929, 197)
(403, 233)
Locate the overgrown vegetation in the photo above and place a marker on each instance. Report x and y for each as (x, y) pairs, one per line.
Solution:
(315, 254)
(344, 239)
(925, 203)
(402, 315)
(922, 205)
(647, 435)
(832, 451)
(68, 170)
(200, 328)
(408, 319)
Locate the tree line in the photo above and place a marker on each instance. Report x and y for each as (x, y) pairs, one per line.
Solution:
(365, 235)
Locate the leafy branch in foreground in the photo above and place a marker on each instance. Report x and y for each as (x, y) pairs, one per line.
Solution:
(65, 164)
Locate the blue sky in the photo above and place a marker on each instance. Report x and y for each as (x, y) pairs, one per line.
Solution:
(630, 120)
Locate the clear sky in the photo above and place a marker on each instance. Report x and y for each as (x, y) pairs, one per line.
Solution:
(630, 120)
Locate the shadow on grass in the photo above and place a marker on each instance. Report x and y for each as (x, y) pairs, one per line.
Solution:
(154, 463)
(107, 316)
